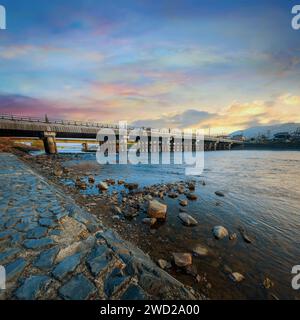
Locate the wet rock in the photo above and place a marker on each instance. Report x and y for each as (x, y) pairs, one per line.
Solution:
(220, 193)
(78, 288)
(15, 268)
(183, 203)
(191, 186)
(117, 210)
(46, 259)
(121, 181)
(157, 210)
(200, 250)
(91, 179)
(67, 266)
(31, 287)
(58, 172)
(102, 186)
(245, 236)
(149, 221)
(191, 196)
(134, 292)
(182, 259)
(236, 277)
(180, 190)
(172, 195)
(36, 233)
(38, 243)
(220, 232)
(268, 283)
(163, 263)
(131, 186)
(187, 219)
(116, 217)
(233, 236)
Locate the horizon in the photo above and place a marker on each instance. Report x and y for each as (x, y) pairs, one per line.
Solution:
(185, 64)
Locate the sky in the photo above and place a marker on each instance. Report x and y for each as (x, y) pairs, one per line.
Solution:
(219, 64)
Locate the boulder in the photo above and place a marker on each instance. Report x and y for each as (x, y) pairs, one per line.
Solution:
(187, 219)
(157, 210)
(182, 259)
(220, 232)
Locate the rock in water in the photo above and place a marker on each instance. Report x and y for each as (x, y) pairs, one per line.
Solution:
(173, 195)
(187, 219)
(183, 203)
(149, 221)
(237, 277)
(182, 259)
(91, 179)
(191, 196)
(267, 283)
(220, 232)
(200, 250)
(157, 210)
(233, 236)
(102, 186)
(220, 194)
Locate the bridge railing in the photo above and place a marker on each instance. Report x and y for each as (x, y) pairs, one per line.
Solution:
(13, 117)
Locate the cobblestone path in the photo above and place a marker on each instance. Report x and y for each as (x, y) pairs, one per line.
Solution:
(53, 249)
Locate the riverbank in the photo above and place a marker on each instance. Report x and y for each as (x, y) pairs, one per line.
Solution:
(124, 207)
(259, 249)
(51, 248)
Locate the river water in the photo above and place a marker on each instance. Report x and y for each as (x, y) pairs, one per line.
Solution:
(262, 195)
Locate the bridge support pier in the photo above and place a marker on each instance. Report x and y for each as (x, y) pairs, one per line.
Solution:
(85, 147)
(49, 142)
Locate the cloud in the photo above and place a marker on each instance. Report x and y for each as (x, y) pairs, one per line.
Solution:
(186, 119)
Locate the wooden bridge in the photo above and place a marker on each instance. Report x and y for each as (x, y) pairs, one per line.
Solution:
(49, 130)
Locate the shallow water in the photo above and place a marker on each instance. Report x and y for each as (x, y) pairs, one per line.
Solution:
(262, 195)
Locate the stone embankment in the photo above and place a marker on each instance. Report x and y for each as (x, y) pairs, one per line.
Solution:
(54, 249)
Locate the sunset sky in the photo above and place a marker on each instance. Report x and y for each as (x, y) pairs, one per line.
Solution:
(224, 64)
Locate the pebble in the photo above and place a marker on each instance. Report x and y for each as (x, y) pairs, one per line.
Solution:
(220, 232)
(182, 259)
(237, 277)
(187, 219)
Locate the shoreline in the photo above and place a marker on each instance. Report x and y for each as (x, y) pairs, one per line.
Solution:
(126, 218)
(214, 261)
